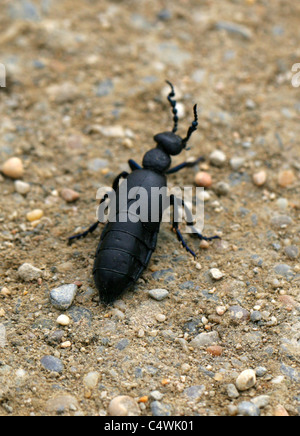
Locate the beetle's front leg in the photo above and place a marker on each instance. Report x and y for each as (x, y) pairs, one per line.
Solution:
(184, 165)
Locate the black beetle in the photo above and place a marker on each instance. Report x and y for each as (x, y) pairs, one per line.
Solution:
(125, 246)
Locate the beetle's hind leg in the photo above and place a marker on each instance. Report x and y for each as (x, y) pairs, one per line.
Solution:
(84, 234)
(175, 225)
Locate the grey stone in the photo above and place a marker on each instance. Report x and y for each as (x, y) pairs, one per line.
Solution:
(29, 272)
(62, 298)
(281, 221)
(158, 294)
(160, 409)
(235, 29)
(205, 339)
(52, 363)
(292, 252)
(232, 391)
(194, 392)
(247, 408)
(238, 314)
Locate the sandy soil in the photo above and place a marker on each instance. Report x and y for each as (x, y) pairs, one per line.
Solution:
(85, 92)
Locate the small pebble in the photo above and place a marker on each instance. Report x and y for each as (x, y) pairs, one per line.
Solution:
(256, 316)
(282, 203)
(61, 403)
(203, 179)
(205, 339)
(160, 409)
(156, 395)
(217, 158)
(247, 408)
(220, 310)
(259, 178)
(62, 297)
(246, 380)
(216, 274)
(160, 317)
(22, 187)
(52, 363)
(63, 320)
(232, 391)
(260, 371)
(238, 314)
(261, 401)
(66, 344)
(28, 272)
(281, 221)
(237, 163)
(286, 178)
(215, 350)
(292, 252)
(280, 411)
(34, 215)
(123, 405)
(158, 294)
(91, 380)
(69, 195)
(222, 188)
(194, 392)
(13, 168)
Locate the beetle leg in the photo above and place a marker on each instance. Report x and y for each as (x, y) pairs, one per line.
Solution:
(175, 225)
(93, 227)
(133, 165)
(115, 185)
(84, 234)
(184, 165)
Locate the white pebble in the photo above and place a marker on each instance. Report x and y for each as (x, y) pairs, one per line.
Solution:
(160, 317)
(91, 380)
(246, 380)
(216, 274)
(217, 158)
(123, 405)
(158, 294)
(29, 272)
(63, 320)
(237, 163)
(260, 178)
(22, 187)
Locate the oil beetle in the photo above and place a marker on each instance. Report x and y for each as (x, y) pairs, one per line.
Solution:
(125, 247)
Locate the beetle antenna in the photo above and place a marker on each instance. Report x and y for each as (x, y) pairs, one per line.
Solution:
(192, 128)
(173, 105)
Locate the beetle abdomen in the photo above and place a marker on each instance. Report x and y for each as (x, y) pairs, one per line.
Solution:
(121, 257)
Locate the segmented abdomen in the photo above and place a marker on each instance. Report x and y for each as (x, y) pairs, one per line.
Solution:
(123, 253)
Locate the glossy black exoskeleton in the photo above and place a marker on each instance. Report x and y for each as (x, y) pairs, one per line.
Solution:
(125, 247)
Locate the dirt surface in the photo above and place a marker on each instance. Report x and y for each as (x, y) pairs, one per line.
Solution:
(85, 92)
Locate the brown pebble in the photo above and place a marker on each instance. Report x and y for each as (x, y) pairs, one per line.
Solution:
(286, 178)
(259, 178)
(13, 168)
(69, 195)
(280, 411)
(215, 350)
(204, 244)
(287, 301)
(35, 215)
(203, 179)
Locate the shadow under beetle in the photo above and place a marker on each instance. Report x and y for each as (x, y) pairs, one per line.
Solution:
(125, 248)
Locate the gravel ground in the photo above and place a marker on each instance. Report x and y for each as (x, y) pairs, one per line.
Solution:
(85, 92)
